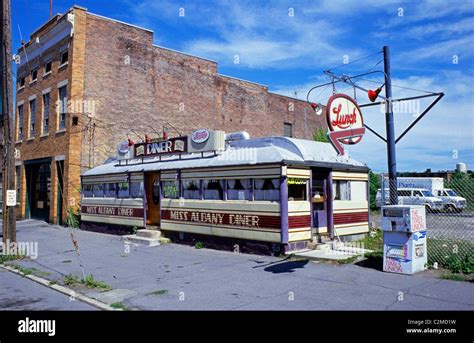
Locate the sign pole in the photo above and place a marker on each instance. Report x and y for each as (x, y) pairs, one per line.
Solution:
(389, 125)
(8, 168)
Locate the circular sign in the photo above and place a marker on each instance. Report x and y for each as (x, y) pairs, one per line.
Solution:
(200, 136)
(343, 114)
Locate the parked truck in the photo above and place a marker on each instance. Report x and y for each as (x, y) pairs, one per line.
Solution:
(451, 201)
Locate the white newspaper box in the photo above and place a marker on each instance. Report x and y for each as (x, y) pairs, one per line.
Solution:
(404, 239)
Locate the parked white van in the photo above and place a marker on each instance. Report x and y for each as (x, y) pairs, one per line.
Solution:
(412, 196)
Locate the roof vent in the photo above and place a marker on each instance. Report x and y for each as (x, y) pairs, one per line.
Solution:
(237, 136)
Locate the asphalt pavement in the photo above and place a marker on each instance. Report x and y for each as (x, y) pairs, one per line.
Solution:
(179, 277)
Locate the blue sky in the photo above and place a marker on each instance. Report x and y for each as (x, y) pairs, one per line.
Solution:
(287, 45)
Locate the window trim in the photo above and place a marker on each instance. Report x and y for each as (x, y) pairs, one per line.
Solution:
(46, 73)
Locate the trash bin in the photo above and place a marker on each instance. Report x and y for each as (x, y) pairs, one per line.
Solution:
(404, 239)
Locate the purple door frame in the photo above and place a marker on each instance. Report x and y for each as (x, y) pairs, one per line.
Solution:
(284, 209)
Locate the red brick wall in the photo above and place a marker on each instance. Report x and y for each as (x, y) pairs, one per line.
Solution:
(138, 86)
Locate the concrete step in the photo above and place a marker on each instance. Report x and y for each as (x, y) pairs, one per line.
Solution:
(146, 241)
(333, 255)
(149, 233)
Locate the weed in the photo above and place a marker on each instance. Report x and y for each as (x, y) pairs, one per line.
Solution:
(120, 306)
(199, 245)
(89, 282)
(159, 292)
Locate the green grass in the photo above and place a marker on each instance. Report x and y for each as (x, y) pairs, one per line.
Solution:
(349, 260)
(457, 277)
(30, 271)
(455, 255)
(199, 245)
(373, 241)
(8, 258)
(120, 306)
(159, 292)
(89, 282)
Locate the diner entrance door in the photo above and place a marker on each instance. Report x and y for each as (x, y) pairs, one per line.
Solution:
(152, 187)
(319, 199)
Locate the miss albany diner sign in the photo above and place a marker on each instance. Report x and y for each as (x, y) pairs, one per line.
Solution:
(345, 121)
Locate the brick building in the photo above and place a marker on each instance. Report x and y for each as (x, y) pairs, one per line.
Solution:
(115, 84)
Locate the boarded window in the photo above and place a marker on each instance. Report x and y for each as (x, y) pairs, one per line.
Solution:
(288, 130)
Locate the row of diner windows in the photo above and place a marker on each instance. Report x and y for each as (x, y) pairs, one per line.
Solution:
(209, 189)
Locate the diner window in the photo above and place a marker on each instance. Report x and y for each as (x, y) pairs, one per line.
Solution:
(136, 189)
(171, 189)
(32, 117)
(123, 190)
(110, 190)
(191, 189)
(64, 57)
(62, 107)
(87, 191)
(341, 190)
(47, 67)
(240, 189)
(267, 189)
(297, 189)
(98, 190)
(20, 123)
(213, 189)
(34, 75)
(46, 102)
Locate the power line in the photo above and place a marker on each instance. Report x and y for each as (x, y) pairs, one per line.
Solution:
(356, 60)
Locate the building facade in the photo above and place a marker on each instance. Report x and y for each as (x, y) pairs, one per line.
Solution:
(85, 83)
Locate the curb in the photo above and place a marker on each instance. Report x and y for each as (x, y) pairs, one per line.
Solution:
(62, 289)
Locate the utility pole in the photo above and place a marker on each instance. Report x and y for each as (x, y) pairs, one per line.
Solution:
(8, 168)
(390, 130)
(50, 8)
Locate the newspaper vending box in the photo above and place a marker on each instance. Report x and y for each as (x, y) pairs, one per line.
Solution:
(404, 239)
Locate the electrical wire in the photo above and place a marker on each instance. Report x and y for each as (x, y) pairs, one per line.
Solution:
(354, 61)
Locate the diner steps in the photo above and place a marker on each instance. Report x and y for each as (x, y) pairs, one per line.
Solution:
(329, 250)
(147, 237)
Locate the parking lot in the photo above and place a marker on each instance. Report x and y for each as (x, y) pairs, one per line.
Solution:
(443, 225)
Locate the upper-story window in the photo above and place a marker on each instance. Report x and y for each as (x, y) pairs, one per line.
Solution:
(20, 123)
(22, 82)
(47, 67)
(32, 117)
(46, 102)
(34, 75)
(288, 130)
(64, 58)
(62, 107)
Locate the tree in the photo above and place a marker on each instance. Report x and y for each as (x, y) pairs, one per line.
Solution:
(374, 185)
(320, 136)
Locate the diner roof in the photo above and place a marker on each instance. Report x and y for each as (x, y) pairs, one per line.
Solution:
(256, 151)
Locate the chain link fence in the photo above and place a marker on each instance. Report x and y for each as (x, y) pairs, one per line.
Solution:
(449, 207)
